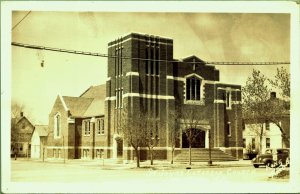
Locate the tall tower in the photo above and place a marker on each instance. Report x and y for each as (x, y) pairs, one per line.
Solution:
(137, 80)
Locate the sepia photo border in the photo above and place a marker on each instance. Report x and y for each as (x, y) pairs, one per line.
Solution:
(289, 7)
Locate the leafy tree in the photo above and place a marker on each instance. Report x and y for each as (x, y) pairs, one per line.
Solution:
(282, 82)
(259, 108)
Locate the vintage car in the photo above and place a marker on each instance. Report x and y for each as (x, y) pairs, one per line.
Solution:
(272, 158)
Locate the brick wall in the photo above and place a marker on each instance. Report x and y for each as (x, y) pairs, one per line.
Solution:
(64, 126)
(216, 113)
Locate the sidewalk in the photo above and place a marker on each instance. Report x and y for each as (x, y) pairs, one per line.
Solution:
(111, 164)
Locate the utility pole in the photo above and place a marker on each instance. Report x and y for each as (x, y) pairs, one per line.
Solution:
(209, 149)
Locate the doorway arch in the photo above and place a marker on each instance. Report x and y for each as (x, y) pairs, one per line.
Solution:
(199, 138)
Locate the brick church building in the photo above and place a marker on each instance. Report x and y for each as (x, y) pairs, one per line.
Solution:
(143, 77)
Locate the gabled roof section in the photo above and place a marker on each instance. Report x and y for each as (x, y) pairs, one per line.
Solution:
(77, 105)
(96, 108)
(41, 130)
(193, 58)
(98, 91)
(18, 119)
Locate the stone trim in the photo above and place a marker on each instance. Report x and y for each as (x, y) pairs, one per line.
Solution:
(148, 96)
(130, 73)
(228, 89)
(63, 102)
(223, 102)
(184, 78)
(110, 98)
(142, 40)
(71, 120)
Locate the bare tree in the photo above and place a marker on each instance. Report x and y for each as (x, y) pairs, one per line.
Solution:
(151, 140)
(174, 131)
(16, 110)
(192, 118)
(134, 131)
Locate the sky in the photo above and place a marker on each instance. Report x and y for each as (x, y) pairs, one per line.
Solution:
(210, 36)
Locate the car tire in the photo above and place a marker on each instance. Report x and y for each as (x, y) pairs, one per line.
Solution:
(269, 164)
(256, 166)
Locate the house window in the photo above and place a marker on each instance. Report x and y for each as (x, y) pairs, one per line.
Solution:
(99, 153)
(268, 143)
(244, 143)
(193, 86)
(267, 125)
(228, 99)
(100, 126)
(85, 153)
(253, 143)
(21, 147)
(54, 153)
(86, 126)
(57, 125)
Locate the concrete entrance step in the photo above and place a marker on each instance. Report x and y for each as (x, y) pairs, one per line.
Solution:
(202, 154)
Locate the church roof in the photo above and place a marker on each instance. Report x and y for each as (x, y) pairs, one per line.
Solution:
(90, 103)
(77, 105)
(96, 108)
(98, 91)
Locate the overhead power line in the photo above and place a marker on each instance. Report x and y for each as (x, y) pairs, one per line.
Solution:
(20, 21)
(142, 59)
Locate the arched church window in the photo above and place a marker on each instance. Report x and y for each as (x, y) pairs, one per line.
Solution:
(193, 88)
(57, 125)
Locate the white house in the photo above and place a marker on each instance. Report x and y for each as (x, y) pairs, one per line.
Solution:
(271, 136)
(38, 141)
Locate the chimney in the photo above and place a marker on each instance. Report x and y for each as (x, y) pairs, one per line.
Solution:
(21, 114)
(273, 95)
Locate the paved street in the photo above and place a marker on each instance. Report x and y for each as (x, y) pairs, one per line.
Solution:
(160, 175)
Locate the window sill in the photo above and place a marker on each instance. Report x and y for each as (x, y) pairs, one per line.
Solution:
(195, 102)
